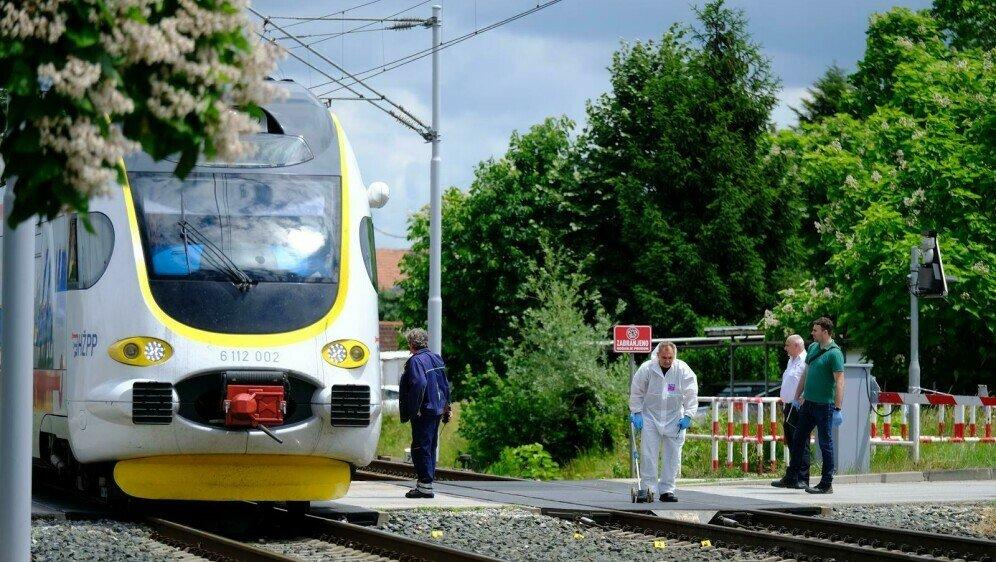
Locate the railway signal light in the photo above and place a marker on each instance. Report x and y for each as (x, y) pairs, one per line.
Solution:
(931, 282)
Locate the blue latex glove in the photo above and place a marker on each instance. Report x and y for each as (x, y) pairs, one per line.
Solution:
(838, 418)
(637, 420)
(797, 404)
(684, 423)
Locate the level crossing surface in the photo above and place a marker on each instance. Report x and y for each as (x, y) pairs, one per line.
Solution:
(697, 496)
(564, 494)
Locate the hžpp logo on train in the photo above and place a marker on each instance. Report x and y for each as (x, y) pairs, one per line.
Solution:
(83, 344)
(631, 339)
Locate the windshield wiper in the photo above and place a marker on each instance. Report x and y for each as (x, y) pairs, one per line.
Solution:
(215, 256)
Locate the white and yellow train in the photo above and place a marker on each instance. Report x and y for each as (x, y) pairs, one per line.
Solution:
(215, 338)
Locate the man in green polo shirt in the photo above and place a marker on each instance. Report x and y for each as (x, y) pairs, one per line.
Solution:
(819, 395)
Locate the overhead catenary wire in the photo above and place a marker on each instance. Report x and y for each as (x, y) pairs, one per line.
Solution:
(370, 100)
(388, 234)
(330, 18)
(406, 117)
(328, 33)
(366, 25)
(342, 11)
(412, 57)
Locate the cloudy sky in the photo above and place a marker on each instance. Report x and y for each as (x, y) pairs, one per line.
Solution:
(547, 63)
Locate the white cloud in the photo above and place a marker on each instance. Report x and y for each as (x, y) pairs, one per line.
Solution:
(782, 115)
(501, 83)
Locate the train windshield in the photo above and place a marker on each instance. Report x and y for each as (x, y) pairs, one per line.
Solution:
(266, 227)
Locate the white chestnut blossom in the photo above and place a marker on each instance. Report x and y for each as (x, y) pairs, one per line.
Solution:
(191, 78)
(90, 156)
(73, 79)
(39, 19)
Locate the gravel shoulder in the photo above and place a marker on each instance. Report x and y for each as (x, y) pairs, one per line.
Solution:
(517, 534)
(974, 519)
(56, 540)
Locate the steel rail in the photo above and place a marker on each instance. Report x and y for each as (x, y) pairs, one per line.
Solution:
(401, 470)
(213, 544)
(919, 542)
(379, 541)
(739, 538)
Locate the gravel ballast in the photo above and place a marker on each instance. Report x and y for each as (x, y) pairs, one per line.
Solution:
(977, 519)
(518, 534)
(56, 540)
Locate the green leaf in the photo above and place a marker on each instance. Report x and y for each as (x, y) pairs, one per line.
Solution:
(188, 159)
(84, 37)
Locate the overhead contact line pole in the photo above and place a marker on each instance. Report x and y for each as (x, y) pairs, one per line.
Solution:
(914, 373)
(15, 384)
(435, 200)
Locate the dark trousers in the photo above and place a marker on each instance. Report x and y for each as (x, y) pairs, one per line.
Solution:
(425, 436)
(790, 421)
(818, 416)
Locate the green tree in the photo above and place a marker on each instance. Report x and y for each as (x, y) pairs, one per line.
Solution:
(827, 97)
(968, 23)
(560, 389)
(491, 236)
(890, 37)
(921, 159)
(691, 219)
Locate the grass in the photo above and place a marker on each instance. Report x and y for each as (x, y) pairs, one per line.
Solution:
(395, 437)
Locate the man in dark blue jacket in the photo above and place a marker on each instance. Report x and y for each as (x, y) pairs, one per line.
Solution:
(423, 398)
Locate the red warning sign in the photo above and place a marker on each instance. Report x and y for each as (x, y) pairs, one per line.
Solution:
(631, 339)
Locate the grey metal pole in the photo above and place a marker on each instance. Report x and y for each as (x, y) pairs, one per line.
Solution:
(15, 385)
(731, 367)
(435, 201)
(914, 382)
(632, 430)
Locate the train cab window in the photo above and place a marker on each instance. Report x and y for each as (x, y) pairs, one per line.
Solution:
(368, 249)
(89, 252)
(271, 228)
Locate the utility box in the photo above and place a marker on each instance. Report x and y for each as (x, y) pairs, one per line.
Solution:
(852, 452)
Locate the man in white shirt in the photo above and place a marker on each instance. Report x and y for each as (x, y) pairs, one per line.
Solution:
(796, 350)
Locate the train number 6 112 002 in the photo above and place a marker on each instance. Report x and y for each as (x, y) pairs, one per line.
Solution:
(244, 355)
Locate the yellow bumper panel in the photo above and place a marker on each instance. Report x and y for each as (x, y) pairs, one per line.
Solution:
(233, 477)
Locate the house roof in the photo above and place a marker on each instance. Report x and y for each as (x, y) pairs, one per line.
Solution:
(388, 270)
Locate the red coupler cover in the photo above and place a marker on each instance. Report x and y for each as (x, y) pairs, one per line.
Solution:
(253, 405)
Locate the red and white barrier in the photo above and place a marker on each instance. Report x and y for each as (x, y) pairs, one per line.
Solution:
(743, 436)
(738, 413)
(942, 401)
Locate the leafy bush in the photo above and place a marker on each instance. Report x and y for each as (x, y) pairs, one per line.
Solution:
(560, 388)
(526, 461)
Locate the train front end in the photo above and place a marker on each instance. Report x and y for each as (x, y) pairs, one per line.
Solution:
(241, 358)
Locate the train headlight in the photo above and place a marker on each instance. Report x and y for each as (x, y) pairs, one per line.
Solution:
(140, 351)
(348, 354)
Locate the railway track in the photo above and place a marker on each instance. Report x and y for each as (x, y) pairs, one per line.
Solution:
(290, 537)
(203, 533)
(380, 469)
(930, 545)
(795, 536)
(210, 545)
(339, 541)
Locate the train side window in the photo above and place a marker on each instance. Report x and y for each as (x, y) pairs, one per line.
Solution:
(368, 249)
(89, 252)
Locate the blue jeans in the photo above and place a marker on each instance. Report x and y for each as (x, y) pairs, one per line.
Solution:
(819, 416)
(425, 436)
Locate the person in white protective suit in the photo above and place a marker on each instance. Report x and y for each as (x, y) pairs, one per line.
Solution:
(663, 397)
